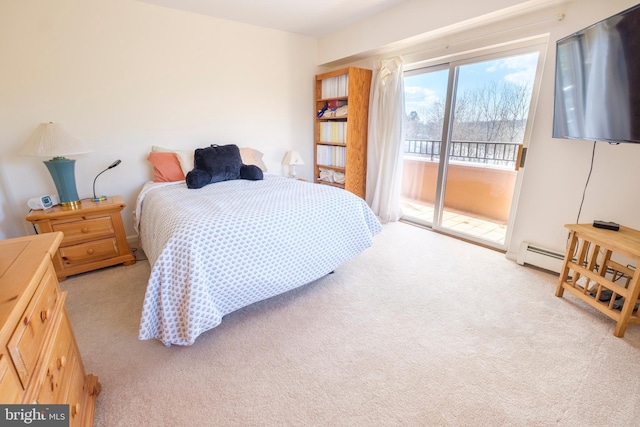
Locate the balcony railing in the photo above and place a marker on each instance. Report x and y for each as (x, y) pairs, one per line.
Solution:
(492, 153)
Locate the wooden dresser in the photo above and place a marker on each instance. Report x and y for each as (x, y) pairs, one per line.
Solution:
(39, 358)
(94, 235)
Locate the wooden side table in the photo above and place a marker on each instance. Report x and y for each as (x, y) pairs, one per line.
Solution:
(589, 273)
(94, 235)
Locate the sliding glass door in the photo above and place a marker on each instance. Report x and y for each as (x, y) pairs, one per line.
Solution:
(465, 129)
(425, 105)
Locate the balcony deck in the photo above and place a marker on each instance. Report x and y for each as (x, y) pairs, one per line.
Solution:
(463, 222)
(480, 185)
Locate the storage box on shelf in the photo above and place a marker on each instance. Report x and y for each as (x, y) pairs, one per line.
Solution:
(341, 126)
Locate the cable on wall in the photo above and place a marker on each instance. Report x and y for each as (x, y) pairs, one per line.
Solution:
(586, 184)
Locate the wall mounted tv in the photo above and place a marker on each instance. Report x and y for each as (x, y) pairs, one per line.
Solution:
(597, 88)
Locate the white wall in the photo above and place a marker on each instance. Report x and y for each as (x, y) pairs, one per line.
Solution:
(125, 75)
(557, 169)
(554, 177)
(413, 21)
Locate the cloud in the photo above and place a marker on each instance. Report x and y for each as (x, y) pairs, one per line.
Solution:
(523, 66)
(419, 98)
(521, 78)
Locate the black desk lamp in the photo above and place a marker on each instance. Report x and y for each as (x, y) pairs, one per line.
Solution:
(101, 198)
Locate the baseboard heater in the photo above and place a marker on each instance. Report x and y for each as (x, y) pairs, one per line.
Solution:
(540, 257)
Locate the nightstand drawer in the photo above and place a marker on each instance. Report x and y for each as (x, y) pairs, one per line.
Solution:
(83, 231)
(34, 326)
(90, 251)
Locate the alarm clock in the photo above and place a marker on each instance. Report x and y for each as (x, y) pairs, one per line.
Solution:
(42, 202)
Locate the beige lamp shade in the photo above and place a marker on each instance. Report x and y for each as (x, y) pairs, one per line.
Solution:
(292, 158)
(52, 140)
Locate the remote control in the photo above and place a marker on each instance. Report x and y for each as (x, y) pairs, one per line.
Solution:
(606, 225)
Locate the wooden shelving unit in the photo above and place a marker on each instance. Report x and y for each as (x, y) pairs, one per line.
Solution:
(341, 140)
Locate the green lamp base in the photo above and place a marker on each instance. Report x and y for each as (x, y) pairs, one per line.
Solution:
(62, 171)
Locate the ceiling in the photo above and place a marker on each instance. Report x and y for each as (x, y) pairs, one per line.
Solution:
(314, 18)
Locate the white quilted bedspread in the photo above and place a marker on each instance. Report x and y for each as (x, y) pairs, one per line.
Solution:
(229, 244)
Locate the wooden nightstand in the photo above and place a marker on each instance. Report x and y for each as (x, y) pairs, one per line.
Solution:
(94, 236)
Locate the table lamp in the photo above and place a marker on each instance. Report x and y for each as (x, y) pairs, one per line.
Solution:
(103, 198)
(291, 159)
(51, 139)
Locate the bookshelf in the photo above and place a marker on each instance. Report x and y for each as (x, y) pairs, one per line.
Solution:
(341, 126)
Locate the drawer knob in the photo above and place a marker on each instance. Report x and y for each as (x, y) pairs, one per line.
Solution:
(90, 251)
(62, 362)
(75, 409)
(84, 229)
(45, 314)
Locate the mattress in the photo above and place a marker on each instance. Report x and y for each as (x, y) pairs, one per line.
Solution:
(227, 245)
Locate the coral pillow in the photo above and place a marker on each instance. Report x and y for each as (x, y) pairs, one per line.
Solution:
(166, 167)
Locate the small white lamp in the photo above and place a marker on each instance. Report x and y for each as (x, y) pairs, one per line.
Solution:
(291, 159)
(51, 139)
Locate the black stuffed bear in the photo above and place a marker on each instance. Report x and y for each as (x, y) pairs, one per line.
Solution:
(220, 163)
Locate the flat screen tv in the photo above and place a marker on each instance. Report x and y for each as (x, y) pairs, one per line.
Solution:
(597, 87)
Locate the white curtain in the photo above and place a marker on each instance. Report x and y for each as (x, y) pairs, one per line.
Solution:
(386, 137)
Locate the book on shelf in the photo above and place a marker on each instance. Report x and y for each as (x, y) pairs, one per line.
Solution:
(335, 87)
(329, 155)
(333, 132)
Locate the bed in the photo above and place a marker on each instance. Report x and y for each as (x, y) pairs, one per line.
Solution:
(227, 245)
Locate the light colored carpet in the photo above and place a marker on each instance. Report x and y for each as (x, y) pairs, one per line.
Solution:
(419, 330)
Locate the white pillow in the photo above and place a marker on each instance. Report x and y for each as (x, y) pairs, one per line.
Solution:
(251, 156)
(185, 157)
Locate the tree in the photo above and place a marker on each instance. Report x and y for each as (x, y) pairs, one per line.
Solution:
(495, 112)
(412, 125)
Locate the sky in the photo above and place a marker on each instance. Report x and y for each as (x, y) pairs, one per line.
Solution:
(422, 90)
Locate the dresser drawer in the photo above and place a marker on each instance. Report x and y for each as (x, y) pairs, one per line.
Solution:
(77, 393)
(84, 230)
(90, 251)
(10, 387)
(33, 328)
(60, 359)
